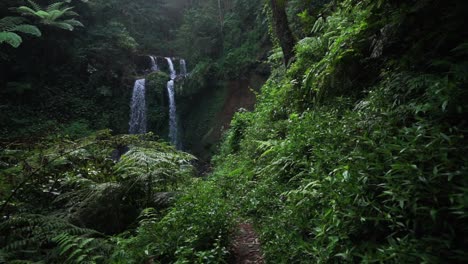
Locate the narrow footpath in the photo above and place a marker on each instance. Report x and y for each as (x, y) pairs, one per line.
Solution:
(245, 246)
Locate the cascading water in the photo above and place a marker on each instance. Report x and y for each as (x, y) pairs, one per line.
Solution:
(171, 68)
(138, 120)
(172, 105)
(154, 64)
(183, 68)
(172, 113)
(138, 108)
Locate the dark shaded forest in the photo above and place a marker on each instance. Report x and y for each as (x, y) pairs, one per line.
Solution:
(233, 131)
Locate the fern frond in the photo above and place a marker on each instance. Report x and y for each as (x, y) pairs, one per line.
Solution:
(52, 15)
(54, 6)
(78, 249)
(10, 38)
(61, 25)
(35, 6)
(73, 22)
(9, 22)
(72, 13)
(28, 29)
(55, 14)
(27, 11)
(32, 232)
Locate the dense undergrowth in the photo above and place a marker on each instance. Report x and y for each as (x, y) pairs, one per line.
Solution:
(355, 153)
(66, 197)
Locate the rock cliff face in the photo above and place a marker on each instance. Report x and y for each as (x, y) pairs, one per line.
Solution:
(208, 114)
(240, 95)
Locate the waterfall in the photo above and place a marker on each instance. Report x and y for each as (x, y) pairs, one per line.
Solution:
(171, 68)
(138, 122)
(172, 113)
(172, 105)
(154, 63)
(183, 68)
(138, 108)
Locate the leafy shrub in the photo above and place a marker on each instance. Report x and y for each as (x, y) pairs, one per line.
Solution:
(195, 230)
(77, 129)
(89, 184)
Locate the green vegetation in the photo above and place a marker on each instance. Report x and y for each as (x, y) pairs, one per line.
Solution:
(355, 151)
(351, 157)
(10, 26)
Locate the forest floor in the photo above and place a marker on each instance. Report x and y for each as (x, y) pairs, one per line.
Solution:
(245, 246)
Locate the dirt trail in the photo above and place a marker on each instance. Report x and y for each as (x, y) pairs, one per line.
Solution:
(245, 246)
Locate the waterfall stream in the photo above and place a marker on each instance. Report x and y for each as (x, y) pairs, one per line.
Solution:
(171, 68)
(138, 108)
(138, 119)
(154, 63)
(173, 131)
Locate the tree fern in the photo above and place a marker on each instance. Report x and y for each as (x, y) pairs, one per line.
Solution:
(55, 15)
(158, 167)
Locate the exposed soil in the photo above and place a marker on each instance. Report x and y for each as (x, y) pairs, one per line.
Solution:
(245, 246)
(239, 95)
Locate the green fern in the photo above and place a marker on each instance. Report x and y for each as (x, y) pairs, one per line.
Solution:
(10, 26)
(34, 233)
(162, 168)
(79, 249)
(55, 15)
(10, 38)
(34, 5)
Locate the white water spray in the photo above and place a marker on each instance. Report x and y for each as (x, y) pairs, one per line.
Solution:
(173, 133)
(138, 108)
(171, 68)
(154, 63)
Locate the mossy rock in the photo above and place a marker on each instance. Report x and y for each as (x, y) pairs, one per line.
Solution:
(156, 83)
(158, 105)
(105, 210)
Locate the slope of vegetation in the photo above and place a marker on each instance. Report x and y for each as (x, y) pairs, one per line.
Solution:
(355, 153)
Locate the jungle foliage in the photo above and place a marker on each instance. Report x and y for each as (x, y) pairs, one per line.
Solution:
(355, 152)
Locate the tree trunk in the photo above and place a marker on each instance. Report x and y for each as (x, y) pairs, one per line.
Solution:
(283, 32)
